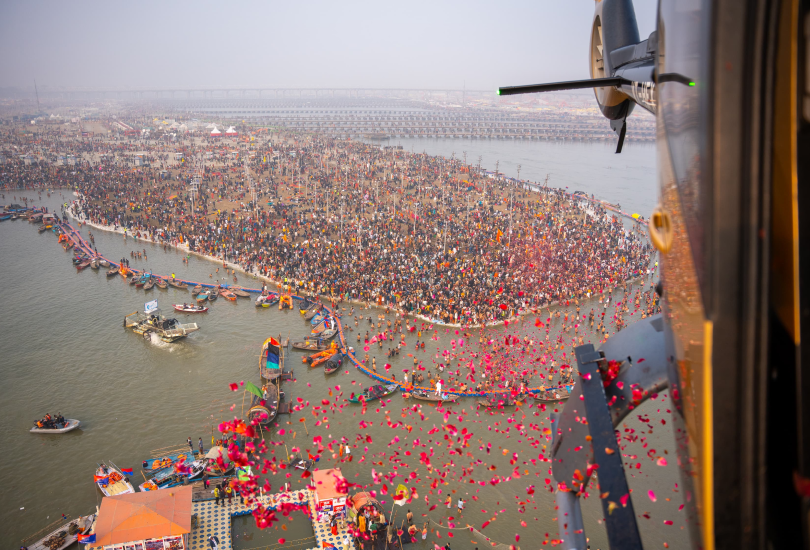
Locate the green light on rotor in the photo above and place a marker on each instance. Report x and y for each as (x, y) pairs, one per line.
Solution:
(498, 91)
(692, 84)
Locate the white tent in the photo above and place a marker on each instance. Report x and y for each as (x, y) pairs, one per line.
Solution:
(231, 132)
(216, 133)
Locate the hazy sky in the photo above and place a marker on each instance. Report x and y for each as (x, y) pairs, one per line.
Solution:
(430, 44)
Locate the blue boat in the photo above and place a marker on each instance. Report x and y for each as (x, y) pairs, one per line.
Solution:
(163, 480)
(5, 217)
(154, 464)
(318, 319)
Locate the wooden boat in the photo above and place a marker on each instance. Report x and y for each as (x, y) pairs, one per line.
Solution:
(35, 217)
(312, 312)
(263, 411)
(328, 325)
(43, 228)
(68, 245)
(4, 217)
(62, 536)
(213, 295)
(94, 263)
(196, 290)
(188, 308)
(177, 284)
(83, 265)
(319, 317)
(227, 294)
(166, 478)
(151, 465)
(372, 393)
(272, 360)
(70, 424)
(240, 293)
(171, 472)
(209, 464)
(329, 333)
(114, 271)
(202, 296)
(553, 395)
(304, 305)
(116, 483)
(149, 284)
(103, 263)
(334, 363)
(310, 344)
(424, 395)
(266, 300)
(316, 331)
(142, 280)
(134, 279)
(161, 283)
(168, 330)
(499, 400)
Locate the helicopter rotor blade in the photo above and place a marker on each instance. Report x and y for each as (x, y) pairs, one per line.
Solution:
(557, 86)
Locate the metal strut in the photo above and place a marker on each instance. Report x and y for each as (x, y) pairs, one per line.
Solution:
(576, 444)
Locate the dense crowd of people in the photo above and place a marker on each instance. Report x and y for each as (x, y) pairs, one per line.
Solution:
(423, 235)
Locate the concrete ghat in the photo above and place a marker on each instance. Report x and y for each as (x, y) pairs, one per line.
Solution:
(216, 520)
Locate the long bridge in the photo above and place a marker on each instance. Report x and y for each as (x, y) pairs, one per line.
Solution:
(391, 120)
(483, 125)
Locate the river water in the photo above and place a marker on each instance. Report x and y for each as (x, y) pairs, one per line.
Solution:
(595, 168)
(63, 348)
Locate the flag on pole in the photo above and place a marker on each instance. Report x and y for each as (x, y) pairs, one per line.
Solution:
(252, 388)
(86, 539)
(401, 495)
(126, 471)
(272, 353)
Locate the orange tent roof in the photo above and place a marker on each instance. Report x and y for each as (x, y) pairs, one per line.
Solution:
(325, 482)
(361, 499)
(139, 516)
